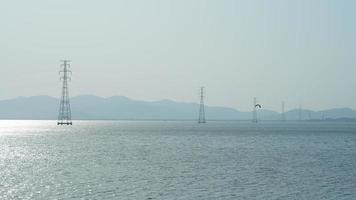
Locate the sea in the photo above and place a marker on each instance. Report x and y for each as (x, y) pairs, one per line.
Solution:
(178, 160)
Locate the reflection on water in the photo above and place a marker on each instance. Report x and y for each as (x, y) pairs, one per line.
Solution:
(177, 160)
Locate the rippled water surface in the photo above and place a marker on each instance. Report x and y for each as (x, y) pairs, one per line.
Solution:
(177, 160)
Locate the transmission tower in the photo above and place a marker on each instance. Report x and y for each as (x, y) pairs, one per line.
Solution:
(283, 114)
(65, 116)
(300, 113)
(254, 111)
(202, 107)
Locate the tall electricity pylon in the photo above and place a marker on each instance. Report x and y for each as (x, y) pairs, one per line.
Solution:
(300, 113)
(65, 115)
(283, 114)
(202, 107)
(254, 111)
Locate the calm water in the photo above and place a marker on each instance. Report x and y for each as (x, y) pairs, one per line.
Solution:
(177, 160)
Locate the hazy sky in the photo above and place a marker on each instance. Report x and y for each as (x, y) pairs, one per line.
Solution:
(300, 51)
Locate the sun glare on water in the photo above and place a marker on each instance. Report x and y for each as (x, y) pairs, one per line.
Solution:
(23, 127)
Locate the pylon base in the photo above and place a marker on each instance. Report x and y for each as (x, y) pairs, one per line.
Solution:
(64, 123)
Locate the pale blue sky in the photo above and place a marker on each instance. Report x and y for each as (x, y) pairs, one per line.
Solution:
(300, 51)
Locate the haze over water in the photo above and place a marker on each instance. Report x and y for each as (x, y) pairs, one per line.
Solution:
(177, 160)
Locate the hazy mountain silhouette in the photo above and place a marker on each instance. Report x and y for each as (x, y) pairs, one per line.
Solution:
(118, 107)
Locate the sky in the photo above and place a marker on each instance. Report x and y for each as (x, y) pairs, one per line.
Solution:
(298, 51)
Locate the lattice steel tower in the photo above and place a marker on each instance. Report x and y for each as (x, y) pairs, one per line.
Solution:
(254, 111)
(283, 114)
(65, 115)
(202, 107)
(300, 113)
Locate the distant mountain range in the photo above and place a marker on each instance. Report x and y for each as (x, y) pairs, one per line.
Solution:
(89, 107)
